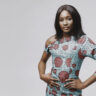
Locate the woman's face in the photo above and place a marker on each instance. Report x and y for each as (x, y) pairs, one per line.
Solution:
(65, 21)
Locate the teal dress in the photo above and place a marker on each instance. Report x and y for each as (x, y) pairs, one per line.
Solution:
(67, 57)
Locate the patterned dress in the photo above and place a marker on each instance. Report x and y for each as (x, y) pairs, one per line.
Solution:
(67, 57)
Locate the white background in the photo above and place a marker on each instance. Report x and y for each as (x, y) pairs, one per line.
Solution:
(25, 25)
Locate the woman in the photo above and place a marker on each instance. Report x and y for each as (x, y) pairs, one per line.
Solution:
(68, 47)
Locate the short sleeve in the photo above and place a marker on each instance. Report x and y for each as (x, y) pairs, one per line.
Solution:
(47, 48)
(88, 49)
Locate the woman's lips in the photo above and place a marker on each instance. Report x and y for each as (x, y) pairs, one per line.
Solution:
(66, 28)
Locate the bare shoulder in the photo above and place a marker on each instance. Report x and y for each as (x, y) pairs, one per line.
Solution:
(50, 40)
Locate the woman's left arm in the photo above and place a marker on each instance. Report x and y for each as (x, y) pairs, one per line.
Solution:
(88, 49)
(89, 81)
(78, 84)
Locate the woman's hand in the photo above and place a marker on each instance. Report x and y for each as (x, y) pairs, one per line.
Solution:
(74, 83)
(48, 79)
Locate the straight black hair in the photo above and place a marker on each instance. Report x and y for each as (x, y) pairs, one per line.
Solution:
(77, 30)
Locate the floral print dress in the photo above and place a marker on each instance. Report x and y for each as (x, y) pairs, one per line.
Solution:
(67, 57)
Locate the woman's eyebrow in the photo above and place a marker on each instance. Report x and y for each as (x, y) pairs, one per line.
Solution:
(65, 16)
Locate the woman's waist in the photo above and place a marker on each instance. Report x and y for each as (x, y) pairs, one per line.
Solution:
(61, 81)
(63, 74)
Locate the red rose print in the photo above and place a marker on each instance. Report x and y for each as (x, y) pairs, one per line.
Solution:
(70, 95)
(58, 88)
(51, 47)
(49, 91)
(62, 40)
(80, 55)
(68, 62)
(67, 38)
(54, 92)
(70, 71)
(81, 40)
(74, 47)
(63, 94)
(72, 89)
(90, 41)
(56, 46)
(73, 65)
(58, 61)
(77, 72)
(63, 75)
(65, 47)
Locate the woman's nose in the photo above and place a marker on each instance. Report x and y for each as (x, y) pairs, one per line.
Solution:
(64, 22)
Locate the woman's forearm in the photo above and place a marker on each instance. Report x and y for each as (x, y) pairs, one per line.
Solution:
(89, 81)
(41, 68)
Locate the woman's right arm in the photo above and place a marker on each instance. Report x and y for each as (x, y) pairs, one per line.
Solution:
(42, 67)
(43, 60)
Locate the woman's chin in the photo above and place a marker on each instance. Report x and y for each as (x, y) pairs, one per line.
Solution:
(66, 31)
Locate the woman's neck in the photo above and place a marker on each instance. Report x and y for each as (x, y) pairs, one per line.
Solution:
(66, 34)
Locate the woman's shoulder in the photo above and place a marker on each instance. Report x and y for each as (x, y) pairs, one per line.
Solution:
(50, 40)
(84, 35)
(84, 39)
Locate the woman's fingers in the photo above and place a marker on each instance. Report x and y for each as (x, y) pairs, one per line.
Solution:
(69, 85)
(52, 83)
(70, 79)
(53, 79)
(56, 84)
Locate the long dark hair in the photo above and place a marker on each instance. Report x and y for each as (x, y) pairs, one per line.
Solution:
(77, 30)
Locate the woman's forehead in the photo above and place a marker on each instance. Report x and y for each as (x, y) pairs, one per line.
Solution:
(65, 13)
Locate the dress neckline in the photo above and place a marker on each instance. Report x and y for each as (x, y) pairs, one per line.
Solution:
(66, 39)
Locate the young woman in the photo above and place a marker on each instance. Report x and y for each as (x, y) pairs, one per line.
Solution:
(68, 47)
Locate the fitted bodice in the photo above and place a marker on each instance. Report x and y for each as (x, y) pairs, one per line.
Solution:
(67, 57)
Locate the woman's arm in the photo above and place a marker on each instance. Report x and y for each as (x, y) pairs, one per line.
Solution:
(42, 67)
(44, 58)
(78, 84)
(88, 49)
(42, 64)
(89, 81)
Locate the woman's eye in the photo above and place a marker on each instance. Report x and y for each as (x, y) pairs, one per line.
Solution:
(69, 18)
(61, 20)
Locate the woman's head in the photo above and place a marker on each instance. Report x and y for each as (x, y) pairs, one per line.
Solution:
(68, 21)
(65, 22)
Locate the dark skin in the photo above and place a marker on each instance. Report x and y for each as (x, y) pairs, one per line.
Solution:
(66, 24)
(42, 66)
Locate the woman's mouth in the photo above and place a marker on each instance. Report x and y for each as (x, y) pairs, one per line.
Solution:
(66, 28)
